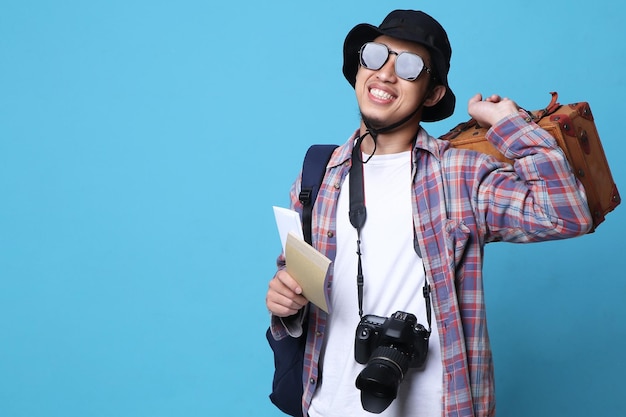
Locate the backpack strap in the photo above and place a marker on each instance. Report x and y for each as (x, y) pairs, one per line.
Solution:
(313, 170)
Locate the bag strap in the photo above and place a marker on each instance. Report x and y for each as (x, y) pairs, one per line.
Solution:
(313, 170)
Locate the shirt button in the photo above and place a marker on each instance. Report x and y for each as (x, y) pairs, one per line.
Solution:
(337, 186)
(312, 381)
(318, 333)
(330, 234)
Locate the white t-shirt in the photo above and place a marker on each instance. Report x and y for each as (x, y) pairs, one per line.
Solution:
(393, 281)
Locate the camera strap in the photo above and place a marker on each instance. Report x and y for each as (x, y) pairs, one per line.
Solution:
(358, 215)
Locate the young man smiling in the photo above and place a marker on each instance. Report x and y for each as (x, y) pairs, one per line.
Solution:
(404, 218)
(384, 98)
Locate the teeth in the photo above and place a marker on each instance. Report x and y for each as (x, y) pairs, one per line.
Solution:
(381, 94)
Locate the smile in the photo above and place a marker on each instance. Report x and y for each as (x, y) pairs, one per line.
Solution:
(380, 94)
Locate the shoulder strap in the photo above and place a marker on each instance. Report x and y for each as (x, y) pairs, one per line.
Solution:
(313, 170)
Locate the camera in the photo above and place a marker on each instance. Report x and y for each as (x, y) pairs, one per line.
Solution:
(388, 347)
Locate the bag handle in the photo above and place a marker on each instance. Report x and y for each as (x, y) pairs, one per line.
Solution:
(548, 110)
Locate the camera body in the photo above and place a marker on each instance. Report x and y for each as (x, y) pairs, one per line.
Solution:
(388, 347)
(400, 331)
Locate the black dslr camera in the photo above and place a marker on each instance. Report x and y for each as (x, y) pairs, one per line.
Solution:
(389, 347)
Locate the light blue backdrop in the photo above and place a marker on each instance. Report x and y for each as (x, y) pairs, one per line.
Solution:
(143, 143)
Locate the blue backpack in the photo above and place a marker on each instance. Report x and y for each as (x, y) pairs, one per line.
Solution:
(287, 385)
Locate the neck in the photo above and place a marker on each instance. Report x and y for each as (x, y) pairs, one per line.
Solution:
(395, 141)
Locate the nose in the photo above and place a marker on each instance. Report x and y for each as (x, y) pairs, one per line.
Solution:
(388, 71)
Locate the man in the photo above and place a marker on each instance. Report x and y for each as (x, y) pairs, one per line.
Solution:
(417, 189)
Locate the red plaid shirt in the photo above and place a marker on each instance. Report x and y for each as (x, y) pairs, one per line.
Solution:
(461, 201)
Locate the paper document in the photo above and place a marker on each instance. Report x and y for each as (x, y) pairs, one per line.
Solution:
(309, 268)
(305, 264)
(287, 221)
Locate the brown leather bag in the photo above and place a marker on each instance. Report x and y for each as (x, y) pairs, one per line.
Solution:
(573, 127)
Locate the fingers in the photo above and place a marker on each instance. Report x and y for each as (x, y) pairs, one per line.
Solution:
(284, 296)
(283, 277)
(490, 110)
(494, 98)
(476, 98)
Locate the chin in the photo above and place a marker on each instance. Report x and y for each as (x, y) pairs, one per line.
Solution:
(373, 121)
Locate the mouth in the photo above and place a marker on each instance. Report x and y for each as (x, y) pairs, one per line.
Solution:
(381, 95)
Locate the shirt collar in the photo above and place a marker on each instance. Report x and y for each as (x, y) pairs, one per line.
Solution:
(423, 142)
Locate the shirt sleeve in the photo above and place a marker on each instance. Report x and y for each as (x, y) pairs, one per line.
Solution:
(538, 197)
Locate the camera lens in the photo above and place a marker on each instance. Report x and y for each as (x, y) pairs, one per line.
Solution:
(381, 377)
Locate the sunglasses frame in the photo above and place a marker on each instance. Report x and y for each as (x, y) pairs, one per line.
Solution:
(391, 52)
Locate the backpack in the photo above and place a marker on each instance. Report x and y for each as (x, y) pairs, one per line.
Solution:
(287, 388)
(313, 170)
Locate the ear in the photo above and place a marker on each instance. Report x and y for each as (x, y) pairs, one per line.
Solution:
(435, 95)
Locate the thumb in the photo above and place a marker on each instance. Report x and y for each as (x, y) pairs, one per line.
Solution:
(475, 99)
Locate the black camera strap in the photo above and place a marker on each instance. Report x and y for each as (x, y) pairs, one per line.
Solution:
(357, 212)
(358, 215)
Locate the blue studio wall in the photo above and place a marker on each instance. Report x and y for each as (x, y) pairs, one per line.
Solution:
(143, 143)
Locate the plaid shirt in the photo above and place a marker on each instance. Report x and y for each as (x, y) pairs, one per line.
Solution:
(461, 201)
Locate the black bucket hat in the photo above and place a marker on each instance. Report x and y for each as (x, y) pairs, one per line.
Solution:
(414, 26)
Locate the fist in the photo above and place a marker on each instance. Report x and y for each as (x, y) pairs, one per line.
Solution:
(491, 110)
(284, 296)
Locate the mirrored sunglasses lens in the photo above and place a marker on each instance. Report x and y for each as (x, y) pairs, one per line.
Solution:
(374, 56)
(409, 66)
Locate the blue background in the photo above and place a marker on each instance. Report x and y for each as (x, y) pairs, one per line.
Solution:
(143, 143)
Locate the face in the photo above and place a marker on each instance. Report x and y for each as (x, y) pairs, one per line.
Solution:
(385, 98)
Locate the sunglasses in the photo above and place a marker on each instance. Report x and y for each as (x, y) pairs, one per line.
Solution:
(408, 66)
